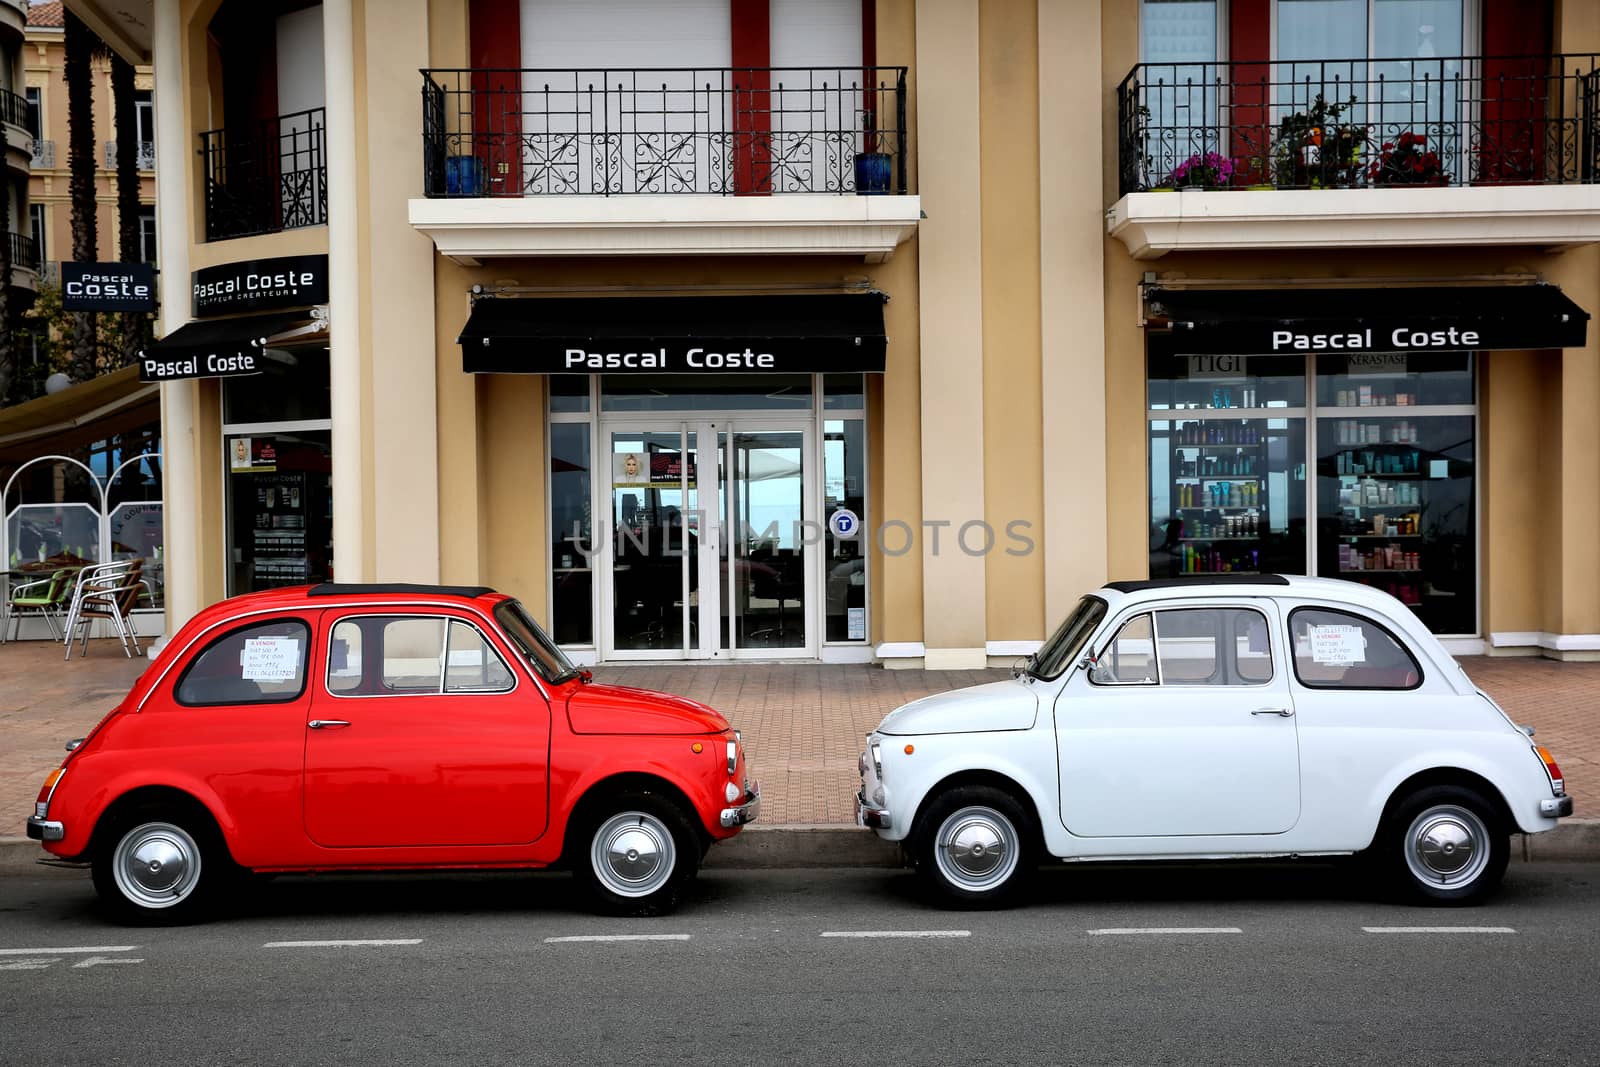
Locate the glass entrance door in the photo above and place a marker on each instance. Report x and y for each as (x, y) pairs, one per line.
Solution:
(767, 608)
(655, 527)
(713, 541)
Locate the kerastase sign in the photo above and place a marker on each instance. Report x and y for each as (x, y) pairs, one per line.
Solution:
(260, 285)
(108, 287)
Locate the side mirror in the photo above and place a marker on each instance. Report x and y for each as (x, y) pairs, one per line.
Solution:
(1089, 661)
(586, 676)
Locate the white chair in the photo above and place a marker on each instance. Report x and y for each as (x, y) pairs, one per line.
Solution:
(107, 591)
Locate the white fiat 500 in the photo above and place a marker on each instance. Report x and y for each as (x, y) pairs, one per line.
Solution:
(1236, 717)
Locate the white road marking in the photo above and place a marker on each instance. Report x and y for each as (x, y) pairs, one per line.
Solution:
(1118, 930)
(30, 965)
(95, 961)
(1438, 930)
(616, 937)
(897, 933)
(345, 943)
(85, 950)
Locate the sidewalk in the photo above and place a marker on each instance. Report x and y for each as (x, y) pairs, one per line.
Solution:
(803, 724)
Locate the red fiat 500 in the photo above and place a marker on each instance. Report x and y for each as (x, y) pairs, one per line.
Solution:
(387, 727)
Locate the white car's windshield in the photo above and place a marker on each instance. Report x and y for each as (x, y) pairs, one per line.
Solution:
(1062, 649)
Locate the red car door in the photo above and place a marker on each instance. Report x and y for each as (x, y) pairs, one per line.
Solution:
(421, 733)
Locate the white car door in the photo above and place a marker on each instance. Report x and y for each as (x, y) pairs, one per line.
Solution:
(1184, 727)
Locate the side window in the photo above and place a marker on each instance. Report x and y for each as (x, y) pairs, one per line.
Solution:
(1130, 658)
(1340, 650)
(264, 663)
(472, 665)
(398, 655)
(1213, 646)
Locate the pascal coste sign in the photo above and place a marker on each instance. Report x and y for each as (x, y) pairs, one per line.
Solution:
(108, 287)
(260, 285)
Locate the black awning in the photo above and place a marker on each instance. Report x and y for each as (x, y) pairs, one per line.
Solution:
(1441, 319)
(675, 334)
(214, 348)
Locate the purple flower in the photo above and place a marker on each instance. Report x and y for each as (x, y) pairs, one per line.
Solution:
(1207, 171)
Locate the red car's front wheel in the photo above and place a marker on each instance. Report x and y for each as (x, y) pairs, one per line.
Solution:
(640, 853)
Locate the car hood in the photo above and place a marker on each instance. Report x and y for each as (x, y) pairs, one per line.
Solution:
(1008, 705)
(620, 709)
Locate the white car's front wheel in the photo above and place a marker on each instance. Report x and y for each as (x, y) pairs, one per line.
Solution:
(974, 847)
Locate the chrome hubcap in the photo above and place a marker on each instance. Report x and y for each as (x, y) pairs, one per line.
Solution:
(156, 865)
(976, 849)
(633, 854)
(1447, 845)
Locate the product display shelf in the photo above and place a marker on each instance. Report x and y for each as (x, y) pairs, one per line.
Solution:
(1218, 436)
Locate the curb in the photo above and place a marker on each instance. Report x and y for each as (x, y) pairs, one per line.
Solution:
(786, 847)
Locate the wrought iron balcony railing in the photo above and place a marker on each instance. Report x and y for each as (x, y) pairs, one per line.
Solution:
(17, 111)
(44, 154)
(267, 177)
(1462, 120)
(726, 132)
(24, 252)
(145, 156)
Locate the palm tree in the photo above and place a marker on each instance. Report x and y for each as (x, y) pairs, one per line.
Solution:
(8, 342)
(135, 330)
(81, 48)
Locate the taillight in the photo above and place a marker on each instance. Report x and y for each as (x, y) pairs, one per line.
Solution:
(1557, 783)
(41, 806)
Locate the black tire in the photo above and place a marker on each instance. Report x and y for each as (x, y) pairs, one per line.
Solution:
(974, 848)
(634, 853)
(1444, 845)
(161, 865)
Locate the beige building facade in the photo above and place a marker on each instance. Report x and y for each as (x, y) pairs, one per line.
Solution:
(1002, 293)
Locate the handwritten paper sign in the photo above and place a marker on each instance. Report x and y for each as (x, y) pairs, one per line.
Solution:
(1338, 646)
(270, 659)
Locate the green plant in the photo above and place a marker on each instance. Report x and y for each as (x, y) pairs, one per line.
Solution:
(1314, 149)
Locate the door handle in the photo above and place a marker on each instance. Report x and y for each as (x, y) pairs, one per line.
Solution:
(1284, 712)
(319, 724)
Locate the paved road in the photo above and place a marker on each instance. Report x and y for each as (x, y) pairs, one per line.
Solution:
(1272, 965)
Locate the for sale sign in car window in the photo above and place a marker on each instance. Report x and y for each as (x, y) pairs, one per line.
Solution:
(270, 659)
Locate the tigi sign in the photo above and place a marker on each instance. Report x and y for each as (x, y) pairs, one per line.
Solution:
(1216, 368)
(108, 287)
(259, 284)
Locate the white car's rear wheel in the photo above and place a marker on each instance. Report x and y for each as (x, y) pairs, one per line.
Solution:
(1446, 845)
(973, 847)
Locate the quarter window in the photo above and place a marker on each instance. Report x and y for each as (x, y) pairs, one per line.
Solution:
(393, 656)
(260, 664)
(1130, 658)
(1338, 650)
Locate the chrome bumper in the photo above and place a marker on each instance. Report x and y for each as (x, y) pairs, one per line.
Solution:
(1556, 807)
(746, 812)
(45, 829)
(870, 817)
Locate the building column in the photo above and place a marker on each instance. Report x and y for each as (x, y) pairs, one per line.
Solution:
(180, 444)
(398, 335)
(350, 561)
(1073, 304)
(951, 301)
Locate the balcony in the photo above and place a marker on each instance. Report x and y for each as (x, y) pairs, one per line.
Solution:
(266, 178)
(18, 127)
(665, 162)
(25, 264)
(145, 156)
(1464, 150)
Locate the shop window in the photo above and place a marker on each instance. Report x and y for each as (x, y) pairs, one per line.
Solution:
(1385, 441)
(280, 508)
(569, 392)
(1227, 471)
(571, 562)
(260, 664)
(844, 475)
(292, 387)
(710, 392)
